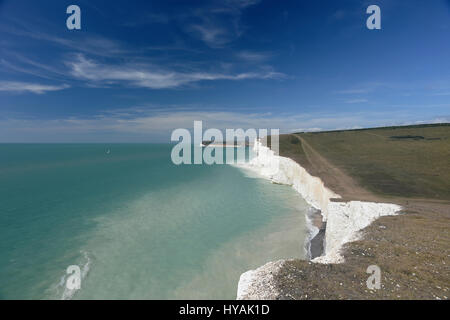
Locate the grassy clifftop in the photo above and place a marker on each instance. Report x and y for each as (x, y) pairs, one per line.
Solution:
(409, 166)
(412, 161)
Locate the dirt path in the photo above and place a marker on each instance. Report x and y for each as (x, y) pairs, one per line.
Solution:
(334, 178)
(344, 185)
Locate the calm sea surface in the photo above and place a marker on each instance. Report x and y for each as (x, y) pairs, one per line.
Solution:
(138, 226)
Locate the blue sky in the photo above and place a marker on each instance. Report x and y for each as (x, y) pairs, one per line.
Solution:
(139, 69)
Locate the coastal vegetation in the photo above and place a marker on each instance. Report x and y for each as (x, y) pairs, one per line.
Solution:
(406, 165)
(410, 161)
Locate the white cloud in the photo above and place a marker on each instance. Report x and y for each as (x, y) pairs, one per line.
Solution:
(149, 76)
(217, 24)
(306, 130)
(92, 44)
(16, 86)
(140, 125)
(212, 35)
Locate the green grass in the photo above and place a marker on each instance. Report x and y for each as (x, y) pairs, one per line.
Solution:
(291, 147)
(386, 161)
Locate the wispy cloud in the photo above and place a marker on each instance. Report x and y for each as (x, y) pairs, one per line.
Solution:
(93, 44)
(211, 34)
(409, 88)
(20, 87)
(217, 24)
(149, 76)
(306, 130)
(25, 65)
(141, 124)
(254, 57)
(364, 88)
(352, 91)
(356, 101)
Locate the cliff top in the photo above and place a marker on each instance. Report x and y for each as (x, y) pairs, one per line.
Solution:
(404, 165)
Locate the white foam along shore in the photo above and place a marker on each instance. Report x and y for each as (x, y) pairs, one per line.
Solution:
(343, 220)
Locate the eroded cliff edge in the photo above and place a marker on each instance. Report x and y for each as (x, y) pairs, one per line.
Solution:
(344, 219)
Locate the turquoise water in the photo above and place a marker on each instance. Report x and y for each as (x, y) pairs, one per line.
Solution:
(138, 226)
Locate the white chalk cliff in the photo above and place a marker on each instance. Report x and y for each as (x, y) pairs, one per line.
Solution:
(344, 219)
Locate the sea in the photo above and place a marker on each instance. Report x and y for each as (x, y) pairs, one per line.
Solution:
(136, 225)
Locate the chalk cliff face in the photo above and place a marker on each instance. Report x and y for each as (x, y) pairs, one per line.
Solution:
(259, 284)
(344, 219)
(286, 171)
